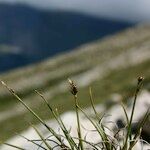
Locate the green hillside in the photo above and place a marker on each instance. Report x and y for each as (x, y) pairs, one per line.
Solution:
(110, 65)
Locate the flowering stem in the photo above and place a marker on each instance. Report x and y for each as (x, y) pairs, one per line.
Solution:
(139, 84)
(78, 122)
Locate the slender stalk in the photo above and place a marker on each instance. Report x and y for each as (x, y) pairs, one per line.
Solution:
(74, 91)
(60, 122)
(92, 102)
(138, 133)
(31, 111)
(42, 138)
(99, 129)
(139, 84)
(67, 134)
(97, 116)
(78, 123)
(14, 146)
(125, 112)
(93, 107)
(33, 142)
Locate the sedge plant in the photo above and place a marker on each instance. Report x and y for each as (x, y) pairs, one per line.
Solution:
(106, 142)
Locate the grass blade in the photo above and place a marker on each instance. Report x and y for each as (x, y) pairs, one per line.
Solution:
(42, 138)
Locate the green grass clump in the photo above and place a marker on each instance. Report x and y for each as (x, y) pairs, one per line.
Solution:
(127, 141)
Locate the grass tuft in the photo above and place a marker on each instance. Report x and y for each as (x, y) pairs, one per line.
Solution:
(106, 142)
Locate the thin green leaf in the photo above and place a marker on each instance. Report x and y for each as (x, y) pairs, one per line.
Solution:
(42, 138)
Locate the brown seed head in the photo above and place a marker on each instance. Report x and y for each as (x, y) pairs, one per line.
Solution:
(73, 87)
(140, 79)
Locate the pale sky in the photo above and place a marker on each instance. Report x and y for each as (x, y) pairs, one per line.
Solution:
(129, 10)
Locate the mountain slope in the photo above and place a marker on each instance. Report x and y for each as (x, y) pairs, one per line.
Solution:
(33, 34)
(110, 65)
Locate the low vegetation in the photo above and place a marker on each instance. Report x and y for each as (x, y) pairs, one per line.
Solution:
(106, 142)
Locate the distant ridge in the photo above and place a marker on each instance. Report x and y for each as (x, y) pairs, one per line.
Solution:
(38, 34)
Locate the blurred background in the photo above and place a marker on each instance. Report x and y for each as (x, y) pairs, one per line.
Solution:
(32, 30)
(103, 44)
